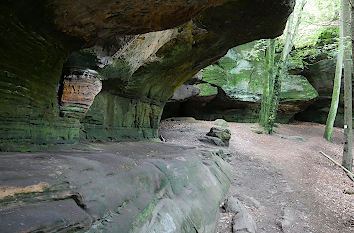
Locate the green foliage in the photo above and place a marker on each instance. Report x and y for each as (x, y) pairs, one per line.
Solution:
(329, 35)
(257, 131)
(317, 15)
(325, 48)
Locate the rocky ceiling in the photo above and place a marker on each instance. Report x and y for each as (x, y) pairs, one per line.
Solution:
(57, 55)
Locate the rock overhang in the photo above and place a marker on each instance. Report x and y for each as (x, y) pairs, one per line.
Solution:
(141, 71)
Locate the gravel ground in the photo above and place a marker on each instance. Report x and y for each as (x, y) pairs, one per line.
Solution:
(282, 179)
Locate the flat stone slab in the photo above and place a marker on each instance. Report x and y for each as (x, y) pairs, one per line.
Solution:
(120, 187)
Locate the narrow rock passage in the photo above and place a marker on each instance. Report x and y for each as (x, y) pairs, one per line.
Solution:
(282, 180)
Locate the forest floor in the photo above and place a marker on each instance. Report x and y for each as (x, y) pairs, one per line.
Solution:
(282, 179)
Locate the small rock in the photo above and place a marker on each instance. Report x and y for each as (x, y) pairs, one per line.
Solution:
(242, 221)
(221, 133)
(295, 138)
(212, 140)
(233, 205)
(221, 122)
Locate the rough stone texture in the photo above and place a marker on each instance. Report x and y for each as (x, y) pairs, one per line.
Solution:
(221, 123)
(128, 187)
(212, 140)
(37, 38)
(78, 92)
(232, 89)
(221, 133)
(321, 75)
(115, 118)
(185, 92)
(242, 221)
(32, 54)
(101, 21)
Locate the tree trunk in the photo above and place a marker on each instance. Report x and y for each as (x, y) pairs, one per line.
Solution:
(281, 71)
(268, 86)
(337, 82)
(298, 22)
(347, 161)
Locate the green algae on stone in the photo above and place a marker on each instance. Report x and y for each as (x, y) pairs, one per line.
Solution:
(240, 74)
(39, 37)
(116, 118)
(207, 90)
(297, 87)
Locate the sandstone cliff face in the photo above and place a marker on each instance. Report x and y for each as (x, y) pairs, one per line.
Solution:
(139, 72)
(321, 75)
(232, 89)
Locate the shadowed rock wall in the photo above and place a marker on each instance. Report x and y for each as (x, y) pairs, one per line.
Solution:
(38, 36)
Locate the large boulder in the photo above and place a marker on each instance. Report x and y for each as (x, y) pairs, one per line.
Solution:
(126, 188)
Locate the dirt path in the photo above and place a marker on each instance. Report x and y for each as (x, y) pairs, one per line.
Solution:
(283, 181)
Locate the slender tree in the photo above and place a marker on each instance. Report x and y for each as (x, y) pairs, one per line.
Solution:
(337, 83)
(272, 84)
(347, 161)
(268, 86)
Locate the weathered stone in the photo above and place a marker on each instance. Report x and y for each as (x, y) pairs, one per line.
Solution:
(242, 221)
(143, 68)
(222, 133)
(321, 75)
(79, 89)
(221, 123)
(99, 21)
(127, 187)
(185, 92)
(115, 118)
(212, 140)
(232, 89)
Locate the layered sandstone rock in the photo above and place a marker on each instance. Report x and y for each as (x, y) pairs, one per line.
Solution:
(232, 89)
(146, 187)
(79, 89)
(140, 72)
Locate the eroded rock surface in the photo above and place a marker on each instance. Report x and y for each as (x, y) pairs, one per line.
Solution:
(321, 75)
(127, 187)
(79, 89)
(232, 89)
(140, 71)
